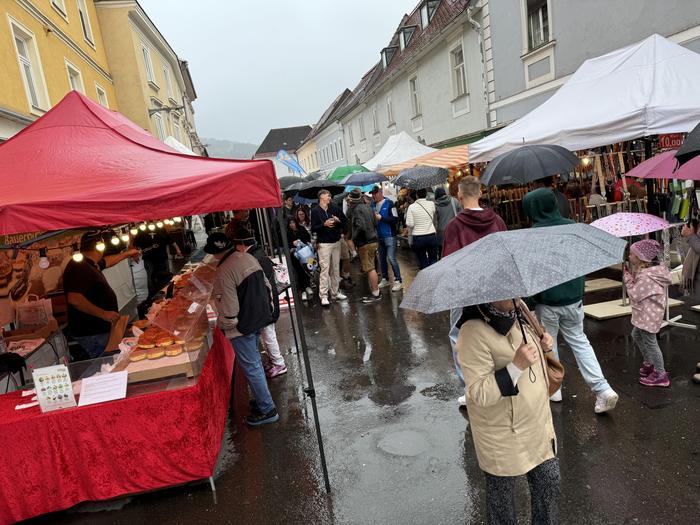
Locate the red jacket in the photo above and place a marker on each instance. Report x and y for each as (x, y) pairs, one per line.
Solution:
(469, 226)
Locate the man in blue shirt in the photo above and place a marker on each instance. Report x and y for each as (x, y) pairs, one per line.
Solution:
(387, 221)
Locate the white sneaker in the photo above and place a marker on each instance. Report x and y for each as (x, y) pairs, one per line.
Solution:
(556, 396)
(341, 296)
(325, 301)
(384, 283)
(304, 297)
(462, 400)
(398, 286)
(606, 401)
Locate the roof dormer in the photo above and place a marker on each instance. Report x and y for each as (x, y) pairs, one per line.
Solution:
(405, 34)
(387, 54)
(427, 11)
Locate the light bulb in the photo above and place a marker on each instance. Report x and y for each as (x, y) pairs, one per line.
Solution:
(142, 227)
(168, 222)
(151, 226)
(159, 224)
(124, 237)
(115, 240)
(77, 256)
(178, 219)
(44, 262)
(134, 231)
(100, 246)
(586, 161)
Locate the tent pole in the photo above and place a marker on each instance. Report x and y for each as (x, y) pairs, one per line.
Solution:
(309, 390)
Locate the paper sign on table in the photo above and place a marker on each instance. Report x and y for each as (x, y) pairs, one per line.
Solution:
(106, 387)
(53, 387)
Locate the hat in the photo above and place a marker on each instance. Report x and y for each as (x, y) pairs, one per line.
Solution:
(217, 242)
(243, 236)
(646, 250)
(89, 240)
(355, 196)
(375, 189)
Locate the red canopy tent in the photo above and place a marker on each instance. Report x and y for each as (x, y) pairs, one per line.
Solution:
(83, 165)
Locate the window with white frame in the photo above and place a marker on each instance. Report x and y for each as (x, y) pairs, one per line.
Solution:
(537, 23)
(101, 95)
(427, 11)
(85, 21)
(75, 79)
(30, 70)
(158, 120)
(148, 63)
(168, 82)
(375, 120)
(176, 128)
(351, 140)
(389, 111)
(362, 127)
(459, 76)
(415, 95)
(60, 6)
(405, 36)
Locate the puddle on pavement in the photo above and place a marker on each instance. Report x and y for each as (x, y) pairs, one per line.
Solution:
(407, 443)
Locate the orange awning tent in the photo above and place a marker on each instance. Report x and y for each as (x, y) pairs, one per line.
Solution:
(448, 158)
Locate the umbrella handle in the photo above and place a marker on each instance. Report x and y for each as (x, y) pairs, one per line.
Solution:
(520, 321)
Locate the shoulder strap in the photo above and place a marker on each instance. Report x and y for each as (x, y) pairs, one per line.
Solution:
(226, 256)
(426, 211)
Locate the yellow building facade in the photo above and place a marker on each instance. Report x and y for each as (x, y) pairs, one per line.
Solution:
(153, 86)
(48, 48)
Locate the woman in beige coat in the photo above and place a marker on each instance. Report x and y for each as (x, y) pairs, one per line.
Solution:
(508, 404)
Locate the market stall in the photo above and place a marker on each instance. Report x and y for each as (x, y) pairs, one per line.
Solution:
(398, 148)
(152, 414)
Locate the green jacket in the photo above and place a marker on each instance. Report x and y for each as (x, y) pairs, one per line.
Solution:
(541, 206)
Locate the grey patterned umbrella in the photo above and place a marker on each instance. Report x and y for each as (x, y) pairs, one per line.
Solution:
(421, 177)
(507, 265)
(309, 189)
(529, 163)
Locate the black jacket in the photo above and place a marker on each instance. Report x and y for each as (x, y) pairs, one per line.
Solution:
(323, 233)
(269, 271)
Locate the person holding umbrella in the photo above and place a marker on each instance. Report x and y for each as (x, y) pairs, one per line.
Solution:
(561, 308)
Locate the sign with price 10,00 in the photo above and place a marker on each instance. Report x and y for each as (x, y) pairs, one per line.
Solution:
(671, 140)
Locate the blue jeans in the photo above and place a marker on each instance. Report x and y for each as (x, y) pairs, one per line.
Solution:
(94, 345)
(247, 355)
(569, 321)
(455, 314)
(387, 248)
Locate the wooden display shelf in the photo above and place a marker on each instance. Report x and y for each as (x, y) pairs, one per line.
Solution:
(613, 309)
(598, 285)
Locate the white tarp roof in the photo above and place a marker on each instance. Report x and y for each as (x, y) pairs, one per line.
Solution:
(178, 146)
(398, 148)
(647, 88)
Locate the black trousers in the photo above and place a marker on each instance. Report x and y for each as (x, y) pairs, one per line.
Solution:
(543, 481)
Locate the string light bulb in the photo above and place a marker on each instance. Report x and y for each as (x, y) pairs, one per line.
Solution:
(159, 224)
(115, 240)
(142, 226)
(100, 246)
(168, 222)
(177, 219)
(77, 256)
(151, 226)
(44, 262)
(125, 236)
(586, 161)
(134, 231)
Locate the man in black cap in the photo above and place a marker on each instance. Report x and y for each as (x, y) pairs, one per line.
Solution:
(363, 227)
(92, 304)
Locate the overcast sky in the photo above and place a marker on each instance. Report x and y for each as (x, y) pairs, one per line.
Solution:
(258, 65)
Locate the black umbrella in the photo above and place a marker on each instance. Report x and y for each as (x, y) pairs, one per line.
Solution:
(310, 189)
(690, 147)
(287, 181)
(529, 163)
(421, 177)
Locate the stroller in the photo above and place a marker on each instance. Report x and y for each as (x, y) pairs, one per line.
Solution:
(307, 260)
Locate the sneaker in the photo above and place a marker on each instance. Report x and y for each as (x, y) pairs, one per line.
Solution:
(276, 370)
(384, 283)
(371, 298)
(304, 297)
(309, 292)
(646, 370)
(340, 297)
(556, 396)
(462, 401)
(606, 401)
(325, 301)
(398, 286)
(267, 365)
(257, 419)
(696, 379)
(656, 379)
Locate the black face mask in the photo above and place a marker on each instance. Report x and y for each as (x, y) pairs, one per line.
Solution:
(502, 322)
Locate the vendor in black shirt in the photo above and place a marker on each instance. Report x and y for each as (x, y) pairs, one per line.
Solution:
(92, 304)
(154, 249)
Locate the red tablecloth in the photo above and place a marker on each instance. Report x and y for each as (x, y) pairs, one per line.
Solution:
(53, 461)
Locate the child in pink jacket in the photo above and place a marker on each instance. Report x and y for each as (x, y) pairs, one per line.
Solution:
(646, 284)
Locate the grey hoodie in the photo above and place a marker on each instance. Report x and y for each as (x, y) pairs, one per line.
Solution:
(447, 207)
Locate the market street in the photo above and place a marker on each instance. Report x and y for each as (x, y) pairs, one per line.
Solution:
(399, 450)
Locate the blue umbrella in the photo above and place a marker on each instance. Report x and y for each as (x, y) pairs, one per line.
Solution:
(363, 178)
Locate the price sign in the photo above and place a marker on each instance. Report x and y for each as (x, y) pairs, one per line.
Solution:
(671, 140)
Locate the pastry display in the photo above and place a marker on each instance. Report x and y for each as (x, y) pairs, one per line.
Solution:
(164, 340)
(173, 350)
(155, 353)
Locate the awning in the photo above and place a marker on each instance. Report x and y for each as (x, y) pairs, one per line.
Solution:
(448, 158)
(398, 148)
(83, 165)
(648, 88)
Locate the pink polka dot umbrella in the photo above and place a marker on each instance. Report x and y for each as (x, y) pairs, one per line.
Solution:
(630, 224)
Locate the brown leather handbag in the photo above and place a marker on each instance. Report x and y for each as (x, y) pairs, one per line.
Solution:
(554, 370)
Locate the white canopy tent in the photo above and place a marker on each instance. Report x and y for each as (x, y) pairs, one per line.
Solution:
(178, 146)
(647, 88)
(398, 148)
